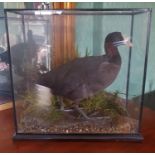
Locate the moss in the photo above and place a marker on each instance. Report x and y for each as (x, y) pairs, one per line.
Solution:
(53, 114)
(47, 113)
(87, 53)
(29, 97)
(105, 104)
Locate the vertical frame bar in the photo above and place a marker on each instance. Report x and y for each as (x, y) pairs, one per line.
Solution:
(129, 61)
(145, 67)
(48, 41)
(23, 27)
(10, 66)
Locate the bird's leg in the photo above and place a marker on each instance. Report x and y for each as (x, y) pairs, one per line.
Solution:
(76, 107)
(103, 119)
(60, 99)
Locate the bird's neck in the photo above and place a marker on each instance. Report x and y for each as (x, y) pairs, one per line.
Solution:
(112, 53)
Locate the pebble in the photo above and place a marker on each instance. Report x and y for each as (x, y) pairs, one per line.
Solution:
(35, 125)
(80, 130)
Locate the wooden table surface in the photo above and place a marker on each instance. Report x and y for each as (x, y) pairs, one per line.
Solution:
(8, 145)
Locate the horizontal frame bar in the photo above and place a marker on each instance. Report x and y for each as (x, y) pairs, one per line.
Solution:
(120, 11)
(19, 19)
(90, 137)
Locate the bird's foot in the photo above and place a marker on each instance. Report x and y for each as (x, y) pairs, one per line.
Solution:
(62, 106)
(86, 117)
(76, 107)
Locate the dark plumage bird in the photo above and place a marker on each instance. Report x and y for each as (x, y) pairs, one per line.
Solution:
(84, 77)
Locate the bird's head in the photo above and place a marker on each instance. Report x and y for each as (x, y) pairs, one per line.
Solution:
(117, 39)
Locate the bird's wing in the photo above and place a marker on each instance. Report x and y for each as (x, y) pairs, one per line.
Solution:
(86, 75)
(95, 75)
(69, 83)
(73, 76)
(103, 77)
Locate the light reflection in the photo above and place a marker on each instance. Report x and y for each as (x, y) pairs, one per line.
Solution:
(43, 95)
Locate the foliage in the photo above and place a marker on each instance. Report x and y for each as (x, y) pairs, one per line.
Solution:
(46, 113)
(28, 97)
(105, 104)
(87, 53)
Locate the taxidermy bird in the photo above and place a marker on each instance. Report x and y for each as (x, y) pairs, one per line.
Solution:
(85, 76)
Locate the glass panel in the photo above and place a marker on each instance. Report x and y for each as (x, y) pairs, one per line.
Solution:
(5, 92)
(137, 64)
(70, 73)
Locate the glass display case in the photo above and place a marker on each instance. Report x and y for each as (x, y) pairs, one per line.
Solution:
(76, 74)
(5, 89)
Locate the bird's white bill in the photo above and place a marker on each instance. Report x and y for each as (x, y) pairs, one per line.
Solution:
(126, 41)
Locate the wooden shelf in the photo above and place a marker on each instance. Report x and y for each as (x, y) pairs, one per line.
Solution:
(5, 106)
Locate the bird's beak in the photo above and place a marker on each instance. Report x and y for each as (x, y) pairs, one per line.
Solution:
(126, 42)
